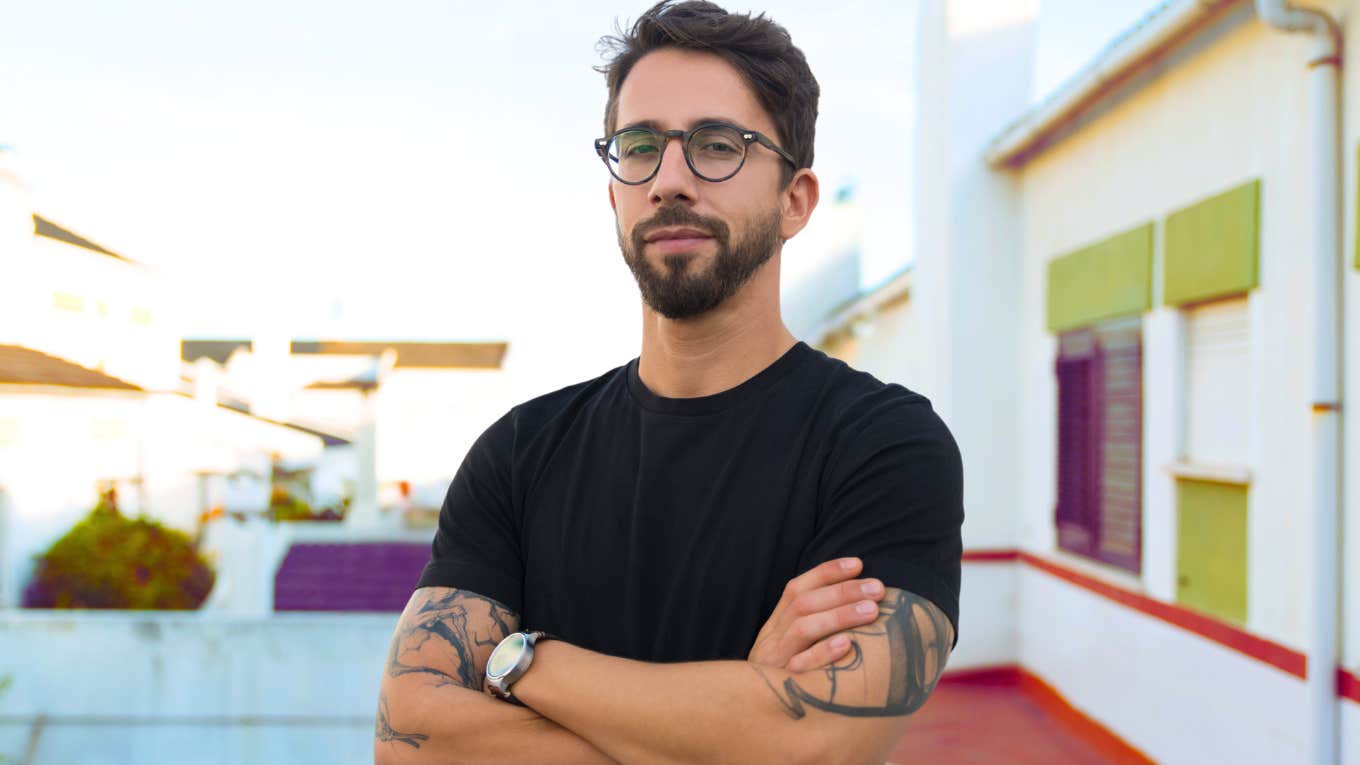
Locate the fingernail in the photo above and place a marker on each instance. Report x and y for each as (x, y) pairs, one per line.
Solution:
(872, 588)
(866, 607)
(848, 563)
(839, 642)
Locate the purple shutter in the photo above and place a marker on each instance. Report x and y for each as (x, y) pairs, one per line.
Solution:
(1119, 449)
(1077, 480)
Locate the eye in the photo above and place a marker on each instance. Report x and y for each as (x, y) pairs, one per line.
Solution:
(636, 145)
(718, 143)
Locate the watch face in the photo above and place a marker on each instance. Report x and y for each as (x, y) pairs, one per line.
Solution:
(506, 654)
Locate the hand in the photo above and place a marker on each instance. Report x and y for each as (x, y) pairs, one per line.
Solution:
(802, 633)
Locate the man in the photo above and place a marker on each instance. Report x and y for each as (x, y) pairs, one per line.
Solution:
(740, 549)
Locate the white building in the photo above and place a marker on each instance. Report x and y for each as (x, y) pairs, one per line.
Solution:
(1114, 307)
(411, 408)
(91, 395)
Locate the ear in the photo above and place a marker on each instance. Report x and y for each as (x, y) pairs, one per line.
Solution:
(612, 204)
(797, 201)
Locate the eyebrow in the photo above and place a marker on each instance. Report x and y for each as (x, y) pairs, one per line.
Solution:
(654, 125)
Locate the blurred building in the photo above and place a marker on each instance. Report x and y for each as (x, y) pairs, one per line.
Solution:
(830, 273)
(91, 396)
(401, 413)
(1119, 303)
(98, 391)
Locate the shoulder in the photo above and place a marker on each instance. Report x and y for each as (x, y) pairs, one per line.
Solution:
(528, 421)
(873, 424)
(858, 404)
(531, 429)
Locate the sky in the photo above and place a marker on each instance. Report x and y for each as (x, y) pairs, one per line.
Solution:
(415, 168)
(1070, 33)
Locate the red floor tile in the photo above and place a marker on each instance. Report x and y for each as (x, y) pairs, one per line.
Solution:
(1004, 717)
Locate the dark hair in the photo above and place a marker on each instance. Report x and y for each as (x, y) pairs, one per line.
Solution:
(760, 49)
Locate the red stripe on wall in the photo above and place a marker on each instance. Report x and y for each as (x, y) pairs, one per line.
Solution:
(989, 556)
(1272, 653)
(1347, 685)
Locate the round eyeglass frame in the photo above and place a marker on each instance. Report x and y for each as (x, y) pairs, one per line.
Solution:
(748, 136)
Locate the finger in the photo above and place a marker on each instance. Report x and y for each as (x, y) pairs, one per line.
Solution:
(810, 629)
(835, 595)
(824, 653)
(832, 571)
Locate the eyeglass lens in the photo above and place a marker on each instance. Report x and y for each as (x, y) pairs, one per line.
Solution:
(714, 152)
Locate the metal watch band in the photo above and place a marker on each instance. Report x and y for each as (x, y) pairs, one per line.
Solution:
(500, 687)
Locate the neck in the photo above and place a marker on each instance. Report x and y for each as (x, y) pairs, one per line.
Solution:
(720, 349)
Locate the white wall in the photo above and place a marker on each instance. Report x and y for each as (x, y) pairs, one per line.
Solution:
(976, 74)
(125, 687)
(1176, 696)
(989, 616)
(16, 234)
(1350, 732)
(1350, 422)
(954, 339)
(104, 334)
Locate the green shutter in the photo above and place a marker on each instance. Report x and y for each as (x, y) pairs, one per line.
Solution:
(1212, 246)
(1211, 548)
(1105, 280)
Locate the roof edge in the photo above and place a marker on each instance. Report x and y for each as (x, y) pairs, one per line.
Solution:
(46, 228)
(891, 290)
(1169, 25)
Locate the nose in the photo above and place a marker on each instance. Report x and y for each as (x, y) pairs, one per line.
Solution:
(673, 181)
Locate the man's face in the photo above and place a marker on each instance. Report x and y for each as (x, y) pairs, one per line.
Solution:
(691, 243)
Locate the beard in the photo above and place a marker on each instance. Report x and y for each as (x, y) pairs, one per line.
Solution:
(678, 292)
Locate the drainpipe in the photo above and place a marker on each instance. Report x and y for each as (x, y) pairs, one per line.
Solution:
(1325, 265)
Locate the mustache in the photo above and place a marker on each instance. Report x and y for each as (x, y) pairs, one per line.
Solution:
(678, 215)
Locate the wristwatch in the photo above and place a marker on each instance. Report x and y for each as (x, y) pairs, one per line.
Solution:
(509, 661)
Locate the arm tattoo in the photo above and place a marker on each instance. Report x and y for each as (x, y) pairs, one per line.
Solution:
(448, 625)
(383, 731)
(915, 658)
(438, 638)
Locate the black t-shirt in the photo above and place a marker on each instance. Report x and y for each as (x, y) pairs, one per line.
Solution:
(665, 529)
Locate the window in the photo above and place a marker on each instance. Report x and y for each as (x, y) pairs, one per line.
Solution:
(1100, 442)
(67, 302)
(1217, 428)
(1212, 475)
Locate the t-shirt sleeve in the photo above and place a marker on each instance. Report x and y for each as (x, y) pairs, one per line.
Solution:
(893, 496)
(476, 545)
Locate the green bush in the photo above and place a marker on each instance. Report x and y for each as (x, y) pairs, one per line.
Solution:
(283, 506)
(109, 561)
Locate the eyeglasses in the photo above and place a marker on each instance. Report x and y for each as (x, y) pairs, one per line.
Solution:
(714, 151)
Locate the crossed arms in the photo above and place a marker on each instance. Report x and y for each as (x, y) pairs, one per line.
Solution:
(824, 683)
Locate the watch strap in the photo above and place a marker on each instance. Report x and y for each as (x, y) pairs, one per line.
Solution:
(502, 690)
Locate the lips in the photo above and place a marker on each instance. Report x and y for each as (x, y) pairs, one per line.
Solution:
(677, 234)
(677, 239)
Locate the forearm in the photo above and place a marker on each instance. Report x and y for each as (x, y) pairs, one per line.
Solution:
(420, 724)
(702, 712)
